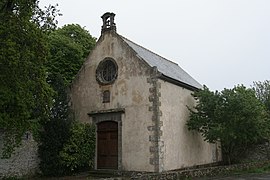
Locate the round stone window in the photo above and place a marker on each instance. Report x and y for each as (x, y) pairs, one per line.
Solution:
(106, 72)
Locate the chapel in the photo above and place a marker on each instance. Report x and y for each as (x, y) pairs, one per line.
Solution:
(138, 102)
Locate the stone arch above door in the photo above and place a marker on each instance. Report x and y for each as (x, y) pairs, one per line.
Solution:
(108, 133)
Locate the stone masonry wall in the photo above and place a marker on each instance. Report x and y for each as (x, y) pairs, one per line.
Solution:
(259, 152)
(24, 162)
(201, 172)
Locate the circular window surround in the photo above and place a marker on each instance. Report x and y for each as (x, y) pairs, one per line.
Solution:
(107, 71)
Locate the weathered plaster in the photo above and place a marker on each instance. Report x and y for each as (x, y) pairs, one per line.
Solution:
(182, 148)
(130, 92)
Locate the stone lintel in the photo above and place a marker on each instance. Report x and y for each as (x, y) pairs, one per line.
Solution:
(117, 110)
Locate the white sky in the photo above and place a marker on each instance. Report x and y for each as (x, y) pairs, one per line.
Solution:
(221, 43)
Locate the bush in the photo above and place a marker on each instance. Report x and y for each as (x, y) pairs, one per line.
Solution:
(66, 146)
(233, 117)
(55, 132)
(78, 152)
(53, 137)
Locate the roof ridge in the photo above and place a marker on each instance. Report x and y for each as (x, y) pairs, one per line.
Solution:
(149, 51)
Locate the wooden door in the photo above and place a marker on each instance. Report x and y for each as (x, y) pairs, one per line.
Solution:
(107, 145)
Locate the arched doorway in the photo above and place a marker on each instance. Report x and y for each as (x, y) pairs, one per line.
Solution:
(107, 145)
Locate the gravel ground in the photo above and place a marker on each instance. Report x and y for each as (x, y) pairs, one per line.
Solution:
(232, 177)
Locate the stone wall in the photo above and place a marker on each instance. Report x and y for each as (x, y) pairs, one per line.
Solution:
(24, 162)
(200, 172)
(256, 156)
(259, 152)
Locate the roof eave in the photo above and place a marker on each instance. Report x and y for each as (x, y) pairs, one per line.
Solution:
(178, 83)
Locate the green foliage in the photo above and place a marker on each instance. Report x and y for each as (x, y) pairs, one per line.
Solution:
(79, 36)
(30, 92)
(66, 147)
(25, 96)
(69, 46)
(262, 90)
(56, 131)
(55, 134)
(78, 153)
(60, 108)
(234, 117)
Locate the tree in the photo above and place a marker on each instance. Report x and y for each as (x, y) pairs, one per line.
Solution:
(55, 132)
(25, 96)
(262, 90)
(233, 117)
(69, 144)
(69, 46)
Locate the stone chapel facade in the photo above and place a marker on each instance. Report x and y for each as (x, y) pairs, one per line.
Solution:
(138, 102)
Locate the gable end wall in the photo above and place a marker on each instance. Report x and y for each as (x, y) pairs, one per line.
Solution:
(129, 92)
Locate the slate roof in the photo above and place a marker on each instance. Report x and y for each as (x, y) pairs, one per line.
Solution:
(164, 66)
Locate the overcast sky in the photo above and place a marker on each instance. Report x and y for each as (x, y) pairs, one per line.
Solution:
(220, 43)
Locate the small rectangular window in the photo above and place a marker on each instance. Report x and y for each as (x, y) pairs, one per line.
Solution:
(106, 96)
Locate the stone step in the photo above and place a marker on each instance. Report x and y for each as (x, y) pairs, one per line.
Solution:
(104, 173)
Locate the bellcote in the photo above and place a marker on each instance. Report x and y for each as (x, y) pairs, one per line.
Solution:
(108, 22)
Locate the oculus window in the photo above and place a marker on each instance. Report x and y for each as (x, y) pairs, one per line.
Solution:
(106, 72)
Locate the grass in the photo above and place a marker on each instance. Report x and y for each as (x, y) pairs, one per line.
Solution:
(264, 169)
